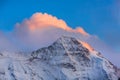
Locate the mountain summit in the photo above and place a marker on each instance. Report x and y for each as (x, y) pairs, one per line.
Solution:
(66, 59)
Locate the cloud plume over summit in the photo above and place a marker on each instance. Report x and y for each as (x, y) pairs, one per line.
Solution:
(41, 30)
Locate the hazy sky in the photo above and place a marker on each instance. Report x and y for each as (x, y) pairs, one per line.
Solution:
(97, 17)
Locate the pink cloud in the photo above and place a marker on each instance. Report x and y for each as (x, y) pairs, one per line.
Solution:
(43, 29)
(81, 30)
(39, 21)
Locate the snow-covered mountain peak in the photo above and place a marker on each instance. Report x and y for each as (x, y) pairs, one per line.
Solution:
(64, 46)
(72, 42)
(66, 40)
(76, 58)
(66, 59)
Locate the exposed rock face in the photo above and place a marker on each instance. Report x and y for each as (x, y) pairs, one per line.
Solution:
(65, 59)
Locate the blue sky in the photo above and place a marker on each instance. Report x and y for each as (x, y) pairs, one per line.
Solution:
(97, 17)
